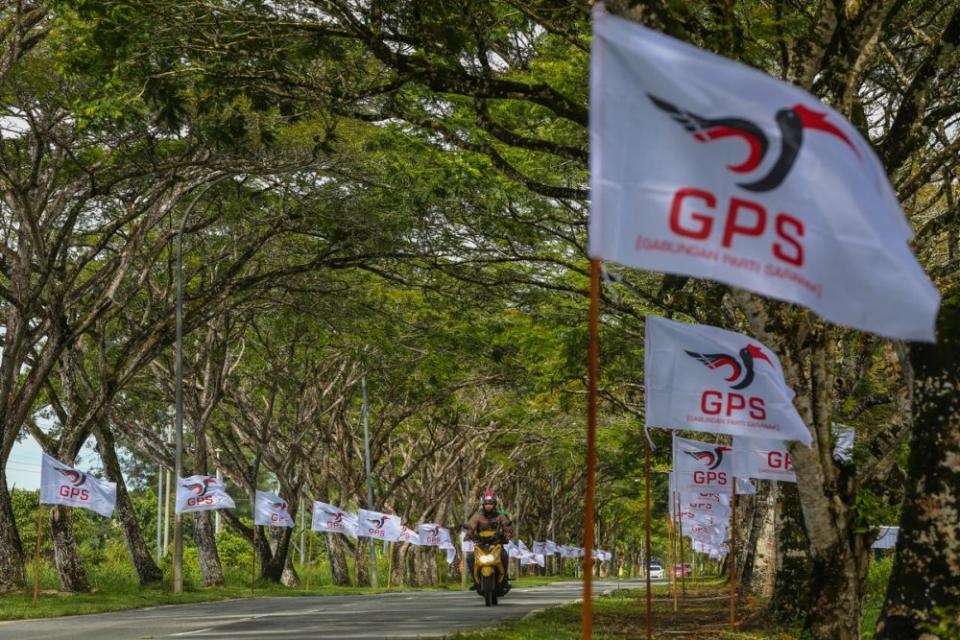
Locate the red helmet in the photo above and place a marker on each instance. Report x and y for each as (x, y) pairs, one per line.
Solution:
(489, 498)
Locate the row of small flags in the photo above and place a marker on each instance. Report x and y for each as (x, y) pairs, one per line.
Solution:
(64, 485)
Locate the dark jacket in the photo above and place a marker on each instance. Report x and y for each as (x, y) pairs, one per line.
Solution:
(479, 521)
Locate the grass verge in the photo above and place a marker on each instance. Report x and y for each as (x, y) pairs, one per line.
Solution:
(702, 615)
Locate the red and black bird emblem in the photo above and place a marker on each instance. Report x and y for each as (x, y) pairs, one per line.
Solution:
(379, 522)
(201, 488)
(792, 122)
(741, 369)
(712, 459)
(76, 478)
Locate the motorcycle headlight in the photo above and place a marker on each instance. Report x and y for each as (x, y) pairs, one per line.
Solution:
(487, 558)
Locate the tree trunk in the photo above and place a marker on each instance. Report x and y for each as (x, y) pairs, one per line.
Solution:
(765, 548)
(759, 563)
(924, 588)
(337, 556)
(747, 518)
(276, 564)
(398, 565)
(73, 577)
(147, 570)
(424, 567)
(211, 572)
(12, 577)
(791, 593)
(289, 577)
(361, 561)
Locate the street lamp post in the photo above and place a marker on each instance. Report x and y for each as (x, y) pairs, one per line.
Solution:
(178, 420)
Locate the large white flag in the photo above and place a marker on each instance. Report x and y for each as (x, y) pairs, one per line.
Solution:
(202, 493)
(702, 378)
(331, 519)
(701, 466)
(705, 167)
(762, 459)
(381, 526)
(271, 511)
(433, 535)
(60, 484)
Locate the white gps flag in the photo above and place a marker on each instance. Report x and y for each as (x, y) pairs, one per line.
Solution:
(202, 493)
(762, 459)
(380, 526)
(701, 466)
(433, 535)
(271, 511)
(702, 378)
(60, 484)
(331, 519)
(705, 167)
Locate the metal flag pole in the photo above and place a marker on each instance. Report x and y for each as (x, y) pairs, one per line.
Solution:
(303, 528)
(592, 373)
(466, 516)
(160, 474)
(253, 574)
(366, 451)
(310, 560)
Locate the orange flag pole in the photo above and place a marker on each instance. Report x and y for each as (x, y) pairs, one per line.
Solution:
(733, 557)
(647, 559)
(592, 374)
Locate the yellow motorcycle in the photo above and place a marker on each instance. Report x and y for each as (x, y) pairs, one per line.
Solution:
(488, 570)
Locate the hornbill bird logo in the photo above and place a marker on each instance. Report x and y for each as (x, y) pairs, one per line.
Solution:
(379, 522)
(279, 506)
(792, 123)
(76, 478)
(748, 355)
(712, 459)
(202, 488)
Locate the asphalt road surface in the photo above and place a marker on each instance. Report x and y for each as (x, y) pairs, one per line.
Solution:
(389, 615)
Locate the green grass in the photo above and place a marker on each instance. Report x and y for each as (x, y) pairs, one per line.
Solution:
(117, 589)
(703, 614)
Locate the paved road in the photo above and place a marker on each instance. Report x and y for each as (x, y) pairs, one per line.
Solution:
(388, 615)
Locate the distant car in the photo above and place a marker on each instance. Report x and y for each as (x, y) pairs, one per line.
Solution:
(656, 571)
(682, 570)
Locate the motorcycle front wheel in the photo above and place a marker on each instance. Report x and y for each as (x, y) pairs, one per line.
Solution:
(488, 584)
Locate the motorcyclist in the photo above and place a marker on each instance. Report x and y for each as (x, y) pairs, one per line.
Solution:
(490, 518)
